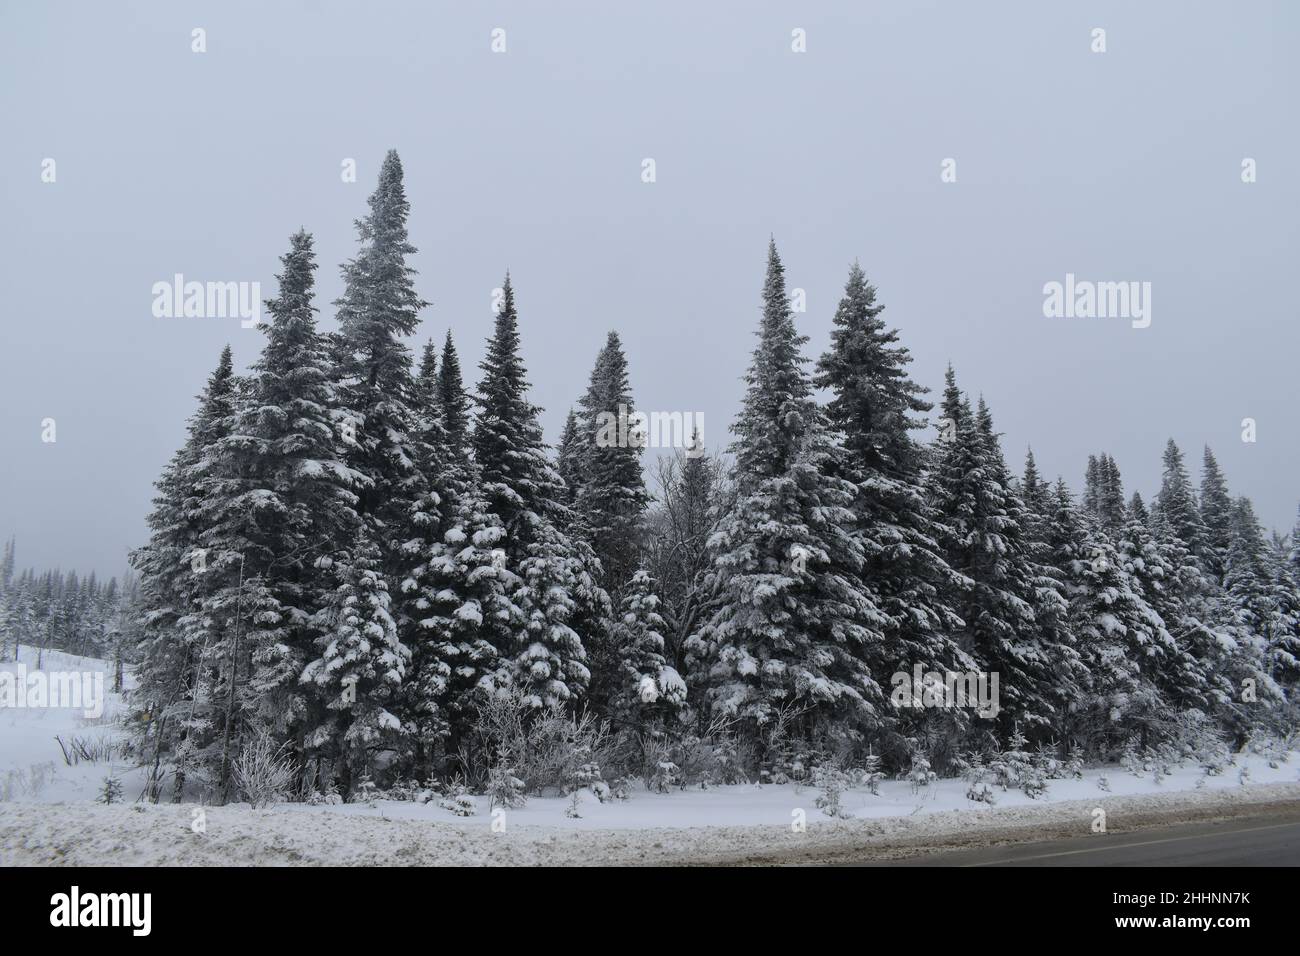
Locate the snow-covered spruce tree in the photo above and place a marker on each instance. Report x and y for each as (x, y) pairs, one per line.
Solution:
(173, 695)
(1284, 646)
(558, 592)
(425, 682)
(649, 690)
(1202, 629)
(1192, 611)
(548, 661)
(358, 669)
(611, 495)
(521, 485)
(1110, 503)
(1181, 681)
(1176, 503)
(1216, 515)
(569, 466)
(1252, 615)
(876, 406)
(609, 499)
(794, 625)
(1044, 534)
(454, 407)
(1122, 641)
(981, 517)
(378, 308)
(693, 498)
(456, 597)
(390, 443)
(279, 507)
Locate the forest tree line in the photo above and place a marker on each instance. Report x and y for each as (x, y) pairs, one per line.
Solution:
(359, 558)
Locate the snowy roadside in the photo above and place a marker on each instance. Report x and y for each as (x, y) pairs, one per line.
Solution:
(48, 815)
(84, 834)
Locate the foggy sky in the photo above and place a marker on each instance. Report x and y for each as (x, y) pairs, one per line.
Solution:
(1117, 166)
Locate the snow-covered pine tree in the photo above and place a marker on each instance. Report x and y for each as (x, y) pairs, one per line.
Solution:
(378, 308)
(693, 497)
(173, 694)
(1044, 533)
(521, 485)
(609, 499)
(426, 385)
(1181, 681)
(427, 674)
(559, 594)
(1253, 616)
(569, 466)
(280, 504)
(549, 662)
(1110, 501)
(1123, 642)
(981, 518)
(1284, 645)
(1092, 486)
(1216, 515)
(358, 669)
(794, 626)
(611, 495)
(454, 406)
(458, 599)
(648, 689)
(875, 405)
(1137, 509)
(1176, 502)
(7, 565)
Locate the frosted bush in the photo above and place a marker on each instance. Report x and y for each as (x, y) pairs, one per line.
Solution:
(264, 773)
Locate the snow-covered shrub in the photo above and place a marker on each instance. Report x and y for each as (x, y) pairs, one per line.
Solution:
(1018, 765)
(574, 801)
(588, 776)
(264, 772)
(977, 775)
(920, 775)
(701, 759)
(1048, 763)
(458, 800)
(1033, 784)
(869, 774)
(980, 793)
(504, 788)
(1074, 764)
(545, 748)
(1103, 783)
(620, 788)
(832, 782)
(111, 791)
(365, 791)
(1131, 759)
(329, 797)
(664, 777)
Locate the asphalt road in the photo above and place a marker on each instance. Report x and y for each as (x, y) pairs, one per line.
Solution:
(1244, 841)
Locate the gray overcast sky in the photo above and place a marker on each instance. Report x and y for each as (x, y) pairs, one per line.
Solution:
(1116, 166)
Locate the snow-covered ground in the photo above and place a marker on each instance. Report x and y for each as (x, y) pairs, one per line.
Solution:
(48, 813)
